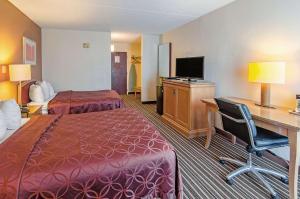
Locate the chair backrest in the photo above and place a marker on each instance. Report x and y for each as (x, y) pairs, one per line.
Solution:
(237, 120)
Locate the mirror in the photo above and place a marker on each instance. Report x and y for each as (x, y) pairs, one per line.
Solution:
(164, 60)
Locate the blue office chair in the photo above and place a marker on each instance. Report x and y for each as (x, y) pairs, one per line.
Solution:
(237, 120)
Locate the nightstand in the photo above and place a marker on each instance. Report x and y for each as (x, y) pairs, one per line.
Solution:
(29, 111)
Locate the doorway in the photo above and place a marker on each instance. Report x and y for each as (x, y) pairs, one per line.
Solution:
(119, 72)
(131, 44)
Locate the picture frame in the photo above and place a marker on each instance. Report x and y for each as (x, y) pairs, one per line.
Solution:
(29, 51)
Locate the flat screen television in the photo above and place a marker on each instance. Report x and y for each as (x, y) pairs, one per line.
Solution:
(190, 67)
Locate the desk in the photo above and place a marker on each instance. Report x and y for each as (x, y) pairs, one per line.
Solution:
(278, 120)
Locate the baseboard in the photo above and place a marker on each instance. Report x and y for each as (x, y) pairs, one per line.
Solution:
(132, 93)
(187, 133)
(149, 102)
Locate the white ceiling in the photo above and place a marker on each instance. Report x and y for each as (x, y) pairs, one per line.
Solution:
(124, 37)
(145, 16)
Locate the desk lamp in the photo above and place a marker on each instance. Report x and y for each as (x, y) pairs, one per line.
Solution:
(267, 73)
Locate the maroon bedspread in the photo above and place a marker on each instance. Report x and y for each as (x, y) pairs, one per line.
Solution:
(109, 154)
(72, 102)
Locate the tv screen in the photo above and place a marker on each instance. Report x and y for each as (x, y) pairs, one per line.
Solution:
(191, 67)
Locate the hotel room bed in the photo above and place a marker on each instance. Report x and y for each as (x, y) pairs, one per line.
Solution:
(75, 102)
(109, 154)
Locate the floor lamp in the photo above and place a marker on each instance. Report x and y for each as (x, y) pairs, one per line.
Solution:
(19, 73)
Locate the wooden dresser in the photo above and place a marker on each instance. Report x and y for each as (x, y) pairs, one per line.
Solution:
(183, 108)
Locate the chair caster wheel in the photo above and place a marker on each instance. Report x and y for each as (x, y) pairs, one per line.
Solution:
(284, 180)
(259, 154)
(275, 196)
(222, 162)
(230, 182)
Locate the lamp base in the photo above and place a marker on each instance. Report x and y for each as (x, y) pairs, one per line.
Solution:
(265, 106)
(19, 93)
(265, 96)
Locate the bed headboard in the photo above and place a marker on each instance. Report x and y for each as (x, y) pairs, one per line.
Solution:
(25, 91)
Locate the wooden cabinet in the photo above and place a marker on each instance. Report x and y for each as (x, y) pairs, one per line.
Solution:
(169, 95)
(183, 108)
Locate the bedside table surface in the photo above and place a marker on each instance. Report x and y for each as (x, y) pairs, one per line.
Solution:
(32, 110)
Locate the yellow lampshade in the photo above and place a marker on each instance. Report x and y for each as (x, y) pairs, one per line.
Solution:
(112, 48)
(267, 72)
(19, 72)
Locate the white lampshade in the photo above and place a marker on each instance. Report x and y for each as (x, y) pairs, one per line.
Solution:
(19, 72)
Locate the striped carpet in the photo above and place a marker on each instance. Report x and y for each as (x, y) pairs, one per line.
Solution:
(203, 176)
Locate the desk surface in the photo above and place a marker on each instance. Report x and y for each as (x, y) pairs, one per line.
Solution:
(32, 110)
(278, 116)
(199, 83)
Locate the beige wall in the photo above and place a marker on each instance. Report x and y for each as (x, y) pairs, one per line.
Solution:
(69, 66)
(13, 26)
(241, 32)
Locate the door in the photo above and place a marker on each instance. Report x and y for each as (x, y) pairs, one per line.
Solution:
(119, 72)
(183, 106)
(169, 101)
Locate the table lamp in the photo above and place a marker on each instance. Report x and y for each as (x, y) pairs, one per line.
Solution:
(267, 73)
(19, 73)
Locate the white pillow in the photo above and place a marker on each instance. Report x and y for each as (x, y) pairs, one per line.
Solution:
(45, 89)
(3, 127)
(50, 88)
(36, 93)
(12, 113)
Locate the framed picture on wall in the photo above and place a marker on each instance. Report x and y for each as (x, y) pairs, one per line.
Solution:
(29, 51)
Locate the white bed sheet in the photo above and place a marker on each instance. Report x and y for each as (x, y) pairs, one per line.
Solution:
(11, 132)
(43, 104)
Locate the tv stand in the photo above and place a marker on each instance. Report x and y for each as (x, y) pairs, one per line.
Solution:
(173, 78)
(191, 80)
(183, 108)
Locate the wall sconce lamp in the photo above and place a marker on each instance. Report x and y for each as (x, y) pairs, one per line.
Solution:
(3, 69)
(112, 48)
(19, 73)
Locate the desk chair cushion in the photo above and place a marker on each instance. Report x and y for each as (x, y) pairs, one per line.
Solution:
(266, 138)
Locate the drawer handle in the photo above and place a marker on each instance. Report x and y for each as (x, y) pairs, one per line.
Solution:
(174, 92)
